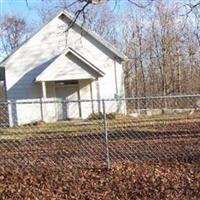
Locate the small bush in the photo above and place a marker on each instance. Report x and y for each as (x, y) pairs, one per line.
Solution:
(98, 116)
(111, 116)
(35, 123)
(95, 116)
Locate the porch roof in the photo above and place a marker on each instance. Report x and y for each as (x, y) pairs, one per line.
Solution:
(69, 66)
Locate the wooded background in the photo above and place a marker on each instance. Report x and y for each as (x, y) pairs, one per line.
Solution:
(160, 38)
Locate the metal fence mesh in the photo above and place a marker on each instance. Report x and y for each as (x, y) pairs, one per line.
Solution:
(153, 128)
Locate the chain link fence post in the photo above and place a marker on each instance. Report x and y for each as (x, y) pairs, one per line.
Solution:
(106, 134)
(41, 109)
(10, 113)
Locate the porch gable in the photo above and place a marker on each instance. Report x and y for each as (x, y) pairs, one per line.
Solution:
(69, 66)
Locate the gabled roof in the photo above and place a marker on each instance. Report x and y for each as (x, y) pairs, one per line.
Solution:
(69, 67)
(89, 32)
(94, 35)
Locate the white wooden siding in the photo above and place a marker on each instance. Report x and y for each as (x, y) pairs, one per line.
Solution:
(66, 67)
(41, 50)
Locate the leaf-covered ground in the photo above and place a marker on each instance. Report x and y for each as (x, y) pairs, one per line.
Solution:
(36, 165)
(143, 180)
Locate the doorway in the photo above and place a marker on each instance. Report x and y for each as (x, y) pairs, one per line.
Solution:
(67, 92)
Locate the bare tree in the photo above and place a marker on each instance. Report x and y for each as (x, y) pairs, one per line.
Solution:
(163, 53)
(163, 48)
(99, 19)
(14, 31)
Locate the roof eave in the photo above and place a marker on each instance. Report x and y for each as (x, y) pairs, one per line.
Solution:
(94, 35)
(71, 17)
(31, 36)
(100, 72)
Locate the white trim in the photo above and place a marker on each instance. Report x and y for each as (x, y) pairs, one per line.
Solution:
(77, 55)
(116, 81)
(98, 94)
(44, 90)
(91, 96)
(79, 103)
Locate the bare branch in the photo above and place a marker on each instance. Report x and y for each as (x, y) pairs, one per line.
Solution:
(77, 14)
(140, 5)
(192, 7)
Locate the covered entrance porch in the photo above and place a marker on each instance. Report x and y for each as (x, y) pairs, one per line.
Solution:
(66, 97)
(68, 80)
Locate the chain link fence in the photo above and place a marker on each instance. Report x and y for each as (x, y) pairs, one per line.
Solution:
(48, 132)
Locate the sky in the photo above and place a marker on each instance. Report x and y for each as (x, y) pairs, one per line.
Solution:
(30, 13)
(19, 7)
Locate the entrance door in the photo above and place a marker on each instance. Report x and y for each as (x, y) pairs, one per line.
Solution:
(68, 92)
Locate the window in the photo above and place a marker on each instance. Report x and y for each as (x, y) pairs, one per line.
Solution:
(71, 82)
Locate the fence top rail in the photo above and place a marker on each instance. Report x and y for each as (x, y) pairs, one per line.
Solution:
(37, 101)
(162, 97)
